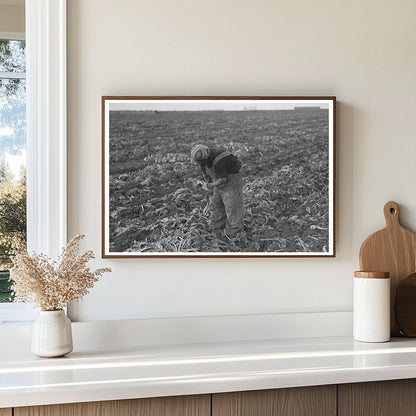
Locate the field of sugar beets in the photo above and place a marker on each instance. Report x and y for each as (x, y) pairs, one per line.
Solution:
(157, 199)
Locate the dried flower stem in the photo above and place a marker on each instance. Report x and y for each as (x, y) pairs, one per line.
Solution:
(53, 285)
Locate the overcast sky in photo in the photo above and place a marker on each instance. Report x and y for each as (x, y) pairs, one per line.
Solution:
(225, 105)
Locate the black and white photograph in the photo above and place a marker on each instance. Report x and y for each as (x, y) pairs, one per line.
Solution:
(218, 176)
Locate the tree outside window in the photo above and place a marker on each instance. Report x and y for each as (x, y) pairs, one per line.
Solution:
(12, 156)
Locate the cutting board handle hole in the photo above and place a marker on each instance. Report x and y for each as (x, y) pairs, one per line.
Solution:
(391, 213)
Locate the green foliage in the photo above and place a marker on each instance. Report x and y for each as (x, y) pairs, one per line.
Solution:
(13, 141)
(12, 97)
(12, 213)
(12, 55)
(157, 199)
(6, 294)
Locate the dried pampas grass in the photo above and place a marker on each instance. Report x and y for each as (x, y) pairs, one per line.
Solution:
(53, 285)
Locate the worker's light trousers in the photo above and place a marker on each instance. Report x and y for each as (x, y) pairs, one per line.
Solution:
(227, 205)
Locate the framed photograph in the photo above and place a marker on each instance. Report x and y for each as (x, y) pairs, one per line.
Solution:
(218, 176)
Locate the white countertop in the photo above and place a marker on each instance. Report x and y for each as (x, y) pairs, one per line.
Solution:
(151, 371)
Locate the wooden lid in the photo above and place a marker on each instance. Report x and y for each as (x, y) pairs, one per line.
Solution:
(372, 275)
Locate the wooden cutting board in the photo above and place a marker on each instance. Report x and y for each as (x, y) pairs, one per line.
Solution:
(393, 250)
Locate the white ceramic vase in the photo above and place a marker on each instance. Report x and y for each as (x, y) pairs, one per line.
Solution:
(52, 334)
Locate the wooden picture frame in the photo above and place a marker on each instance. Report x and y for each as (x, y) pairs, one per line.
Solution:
(276, 191)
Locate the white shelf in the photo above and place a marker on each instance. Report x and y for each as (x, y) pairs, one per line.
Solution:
(151, 371)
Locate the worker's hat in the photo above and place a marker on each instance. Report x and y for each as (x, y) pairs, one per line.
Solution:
(199, 152)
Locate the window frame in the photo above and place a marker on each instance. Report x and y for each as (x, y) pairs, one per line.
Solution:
(46, 138)
(46, 125)
(14, 312)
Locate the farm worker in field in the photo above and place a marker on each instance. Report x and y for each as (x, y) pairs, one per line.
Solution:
(222, 172)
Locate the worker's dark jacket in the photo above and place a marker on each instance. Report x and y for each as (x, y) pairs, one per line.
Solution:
(223, 163)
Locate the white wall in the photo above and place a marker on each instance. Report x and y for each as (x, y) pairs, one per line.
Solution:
(12, 18)
(361, 51)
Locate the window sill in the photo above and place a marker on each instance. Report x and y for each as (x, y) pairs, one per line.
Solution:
(16, 313)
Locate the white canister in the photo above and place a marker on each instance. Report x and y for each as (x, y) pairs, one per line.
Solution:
(371, 322)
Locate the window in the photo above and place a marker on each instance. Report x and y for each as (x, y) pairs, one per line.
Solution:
(46, 134)
(12, 154)
(12, 164)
